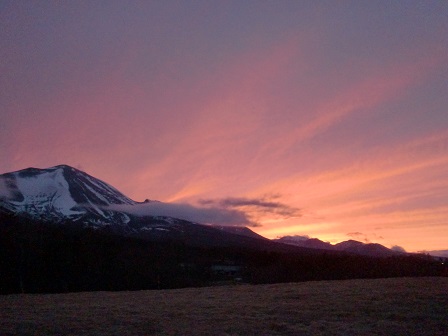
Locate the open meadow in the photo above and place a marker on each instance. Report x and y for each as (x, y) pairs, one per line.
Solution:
(398, 306)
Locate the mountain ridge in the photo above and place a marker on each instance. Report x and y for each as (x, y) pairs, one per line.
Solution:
(349, 246)
(63, 193)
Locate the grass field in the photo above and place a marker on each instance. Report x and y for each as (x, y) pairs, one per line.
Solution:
(405, 306)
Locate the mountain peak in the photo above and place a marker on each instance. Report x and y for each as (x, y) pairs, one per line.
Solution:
(33, 171)
(64, 167)
(60, 192)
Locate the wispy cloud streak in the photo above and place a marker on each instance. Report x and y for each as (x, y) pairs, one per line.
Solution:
(256, 207)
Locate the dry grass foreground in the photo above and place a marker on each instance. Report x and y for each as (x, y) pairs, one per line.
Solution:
(406, 306)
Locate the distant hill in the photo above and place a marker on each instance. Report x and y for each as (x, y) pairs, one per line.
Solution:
(350, 246)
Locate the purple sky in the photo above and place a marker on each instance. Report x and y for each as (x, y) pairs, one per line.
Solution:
(339, 109)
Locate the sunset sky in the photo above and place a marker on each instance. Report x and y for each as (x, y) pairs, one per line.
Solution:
(319, 118)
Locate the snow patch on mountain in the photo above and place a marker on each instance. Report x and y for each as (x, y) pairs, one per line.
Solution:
(45, 192)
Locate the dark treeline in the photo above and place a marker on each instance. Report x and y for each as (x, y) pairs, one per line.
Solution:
(41, 258)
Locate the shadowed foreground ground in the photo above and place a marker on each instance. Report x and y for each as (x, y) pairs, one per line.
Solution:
(407, 306)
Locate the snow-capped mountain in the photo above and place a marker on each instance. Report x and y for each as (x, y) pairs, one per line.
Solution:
(301, 241)
(61, 193)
